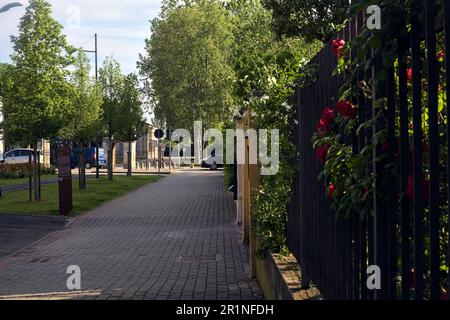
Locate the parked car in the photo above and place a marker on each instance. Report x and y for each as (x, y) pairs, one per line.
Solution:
(20, 155)
(2, 160)
(89, 157)
(212, 163)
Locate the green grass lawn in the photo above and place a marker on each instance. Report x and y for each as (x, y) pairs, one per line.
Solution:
(98, 191)
(12, 182)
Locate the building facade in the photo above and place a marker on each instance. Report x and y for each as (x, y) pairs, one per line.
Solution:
(143, 150)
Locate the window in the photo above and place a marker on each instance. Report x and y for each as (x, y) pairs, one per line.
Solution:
(10, 154)
(22, 153)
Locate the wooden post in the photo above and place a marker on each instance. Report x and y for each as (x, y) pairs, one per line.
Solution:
(240, 183)
(246, 184)
(254, 181)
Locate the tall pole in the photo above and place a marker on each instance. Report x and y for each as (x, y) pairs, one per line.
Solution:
(159, 157)
(97, 167)
(169, 135)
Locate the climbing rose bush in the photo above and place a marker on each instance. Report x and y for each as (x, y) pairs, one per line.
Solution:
(347, 183)
(337, 46)
(346, 109)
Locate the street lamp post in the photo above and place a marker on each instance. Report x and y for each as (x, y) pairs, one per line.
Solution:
(95, 51)
(10, 6)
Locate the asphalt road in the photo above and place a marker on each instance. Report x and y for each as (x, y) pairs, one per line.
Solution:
(24, 186)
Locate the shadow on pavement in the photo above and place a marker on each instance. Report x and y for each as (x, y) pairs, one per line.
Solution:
(19, 231)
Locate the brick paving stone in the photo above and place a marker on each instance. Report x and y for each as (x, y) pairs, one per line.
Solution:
(174, 239)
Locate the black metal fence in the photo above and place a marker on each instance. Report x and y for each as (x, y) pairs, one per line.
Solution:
(407, 239)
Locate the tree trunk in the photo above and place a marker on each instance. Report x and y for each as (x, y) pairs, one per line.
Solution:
(36, 181)
(129, 158)
(110, 158)
(30, 178)
(39, 173)
(81, 168)
(97, 160)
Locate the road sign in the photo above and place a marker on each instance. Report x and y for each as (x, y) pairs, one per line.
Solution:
(159, 134)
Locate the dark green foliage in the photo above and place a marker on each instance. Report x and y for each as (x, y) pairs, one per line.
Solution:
(310, 19)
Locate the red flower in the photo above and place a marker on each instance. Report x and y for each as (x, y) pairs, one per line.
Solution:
(346, 109)
(441, 56)
(409, 74)
(323, 126)
(426, 189)
(328, 114)
(337, 46)
(331, 190)
(322, 152)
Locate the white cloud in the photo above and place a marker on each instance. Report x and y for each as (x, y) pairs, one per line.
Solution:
(121, 25)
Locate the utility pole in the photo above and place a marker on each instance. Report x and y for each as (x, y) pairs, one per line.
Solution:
(97, 145)
(97, 167)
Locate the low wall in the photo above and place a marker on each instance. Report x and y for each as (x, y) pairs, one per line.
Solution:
(279, 279)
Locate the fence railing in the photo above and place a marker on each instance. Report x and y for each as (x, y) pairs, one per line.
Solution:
(407, 239)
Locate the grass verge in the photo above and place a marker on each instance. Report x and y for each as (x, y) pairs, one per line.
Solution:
(13, 182)
(98, 191)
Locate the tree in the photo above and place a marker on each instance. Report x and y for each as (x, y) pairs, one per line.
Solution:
(187, 64)
(5, 85)
(84, 125)
(132, 124)
(37, 99)
(111, 82)
(252, 27)
(253, 38)
(310, 19)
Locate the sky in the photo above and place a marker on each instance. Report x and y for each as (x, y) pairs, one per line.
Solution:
(122, 26)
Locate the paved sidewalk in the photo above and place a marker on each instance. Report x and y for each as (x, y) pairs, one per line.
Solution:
(174, 239)
(18, 231)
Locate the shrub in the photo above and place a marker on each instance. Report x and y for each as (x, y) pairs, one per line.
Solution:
(228, 171)
(21, 170)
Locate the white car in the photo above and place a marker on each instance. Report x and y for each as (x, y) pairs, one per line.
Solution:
(19, 156)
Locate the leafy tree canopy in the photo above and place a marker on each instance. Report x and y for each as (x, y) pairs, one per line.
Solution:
(37, 94)
(111, 82)
(132, 124)
(310, 19)
(187, 63)
(85, 113)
